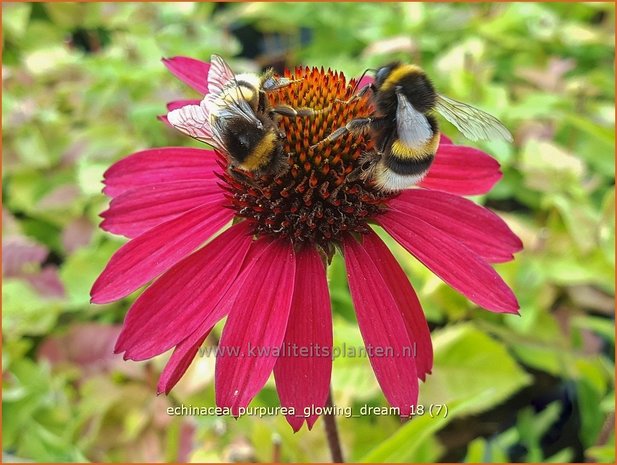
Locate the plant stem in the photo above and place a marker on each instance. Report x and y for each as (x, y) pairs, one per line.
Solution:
(334, 442)
(276, 448)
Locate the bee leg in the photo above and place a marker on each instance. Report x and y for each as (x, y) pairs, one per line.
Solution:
(340, 132)
(355, 126)
(281, 165)
(359, 95)
(241, 176)
(271, 84)
(291, 112)
(368, 159)
(366, 167)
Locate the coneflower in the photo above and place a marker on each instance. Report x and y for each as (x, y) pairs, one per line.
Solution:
(265, 268)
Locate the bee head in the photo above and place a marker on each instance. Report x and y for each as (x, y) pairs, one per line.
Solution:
(382, 73)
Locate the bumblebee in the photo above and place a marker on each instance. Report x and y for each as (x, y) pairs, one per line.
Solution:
(404, 127)
(236, 118)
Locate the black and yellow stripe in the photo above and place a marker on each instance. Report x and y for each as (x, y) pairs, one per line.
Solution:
(261, 153)
(399, 74)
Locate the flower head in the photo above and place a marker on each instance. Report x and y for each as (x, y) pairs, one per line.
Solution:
(267, 270)
(321, 198)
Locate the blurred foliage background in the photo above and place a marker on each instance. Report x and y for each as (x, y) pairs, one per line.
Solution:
(82, 85)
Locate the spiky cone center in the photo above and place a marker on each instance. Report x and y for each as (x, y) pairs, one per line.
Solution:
(325, 193)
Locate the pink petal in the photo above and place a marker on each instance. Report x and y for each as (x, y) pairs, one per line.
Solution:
(406, 300)
(178, 363)
(365, 81)
(158, 249)
(155, 166)
(185, 298)
(185, 351)
(303, 376)
(257, 321)
(452, 261)
(382, 328)
(481, 230)
(174, 106)
(134, 212)
(181, 103)
(190, 71)
(444, 140)
(462, 170)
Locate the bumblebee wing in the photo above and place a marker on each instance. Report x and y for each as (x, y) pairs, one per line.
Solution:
(238, 108)
(219, 75)
(473, 123)
(193, 121)
(412, 126)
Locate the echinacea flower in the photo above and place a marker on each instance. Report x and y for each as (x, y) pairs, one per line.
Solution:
(266, 268)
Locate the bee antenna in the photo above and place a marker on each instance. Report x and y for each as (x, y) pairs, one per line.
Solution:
(362, 77)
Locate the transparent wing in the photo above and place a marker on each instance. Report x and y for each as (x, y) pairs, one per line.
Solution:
(219, 75)
(412, 126)
(193, 121)
(473, 123)
(237, 108)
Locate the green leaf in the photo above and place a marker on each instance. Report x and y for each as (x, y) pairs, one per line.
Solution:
(550, 168)
(606, 231)
(31, 382)
(15, 17)
(469, 364)
(532, 427)
(602, 454)
(352, 377)
(581, 221)
(563, 456)
(90, 177)
(408, 441)
(81, 269)
(540, 357)
(482, 451)
(592, 418)
(66, 14)
(602, 326)
(472, 372)
(24, 312)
